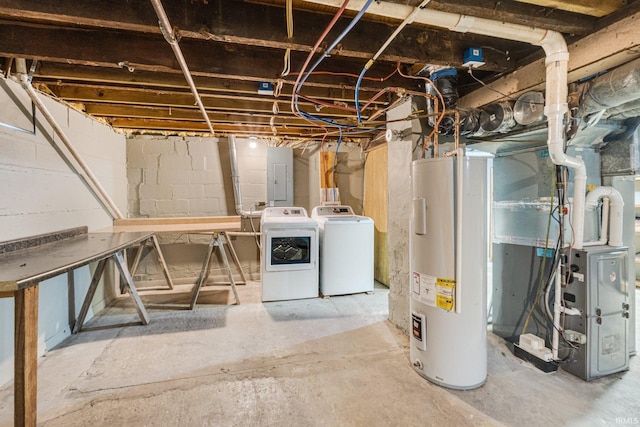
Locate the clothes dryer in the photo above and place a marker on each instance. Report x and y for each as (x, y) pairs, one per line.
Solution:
(289, 260)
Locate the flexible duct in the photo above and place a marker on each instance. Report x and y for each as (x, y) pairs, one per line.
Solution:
(617, 87)
(616, 204)
(557, 59)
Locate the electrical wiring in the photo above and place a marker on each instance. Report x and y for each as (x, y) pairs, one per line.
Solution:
(301, 80)
(287, 53)
(313, 51)
(373, 79)
(384, 46)
(470, 71)
(544, 261)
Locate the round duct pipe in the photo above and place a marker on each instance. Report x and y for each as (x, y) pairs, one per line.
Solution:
(497, 117)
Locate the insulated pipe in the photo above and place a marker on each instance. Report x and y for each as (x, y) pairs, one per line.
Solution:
(557, 58)
(83, 171)
(169, 36)
(615, 215)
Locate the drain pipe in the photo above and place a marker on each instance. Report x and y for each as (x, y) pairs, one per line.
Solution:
(82, 169)
(235, 177)
(169, 36)
(557, 59)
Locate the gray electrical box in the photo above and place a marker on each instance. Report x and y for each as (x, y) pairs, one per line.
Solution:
(279, 176)
(599, 288)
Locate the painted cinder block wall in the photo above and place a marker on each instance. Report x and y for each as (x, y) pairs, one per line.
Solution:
(191, 176)
(40, 194)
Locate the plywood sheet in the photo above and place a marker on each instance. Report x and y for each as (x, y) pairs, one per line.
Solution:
(376, 206)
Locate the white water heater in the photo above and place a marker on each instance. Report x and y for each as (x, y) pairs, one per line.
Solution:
(448, 265)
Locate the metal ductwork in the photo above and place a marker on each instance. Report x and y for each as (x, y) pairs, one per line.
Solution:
(615, 88)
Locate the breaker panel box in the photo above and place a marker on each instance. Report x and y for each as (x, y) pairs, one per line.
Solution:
(279, 176)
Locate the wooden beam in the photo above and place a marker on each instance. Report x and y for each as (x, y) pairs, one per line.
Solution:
(511, 12)
(240, 23)
(26, 357)
(143, 112)
(597, 8)
(59, 73)
(182, 126)
(213, 102)
(604, 50)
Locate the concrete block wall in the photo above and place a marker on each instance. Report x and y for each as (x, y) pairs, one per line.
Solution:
(191, 176)
(399, 188)
(40, 194)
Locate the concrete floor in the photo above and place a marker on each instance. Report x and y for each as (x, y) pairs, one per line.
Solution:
(318, 362)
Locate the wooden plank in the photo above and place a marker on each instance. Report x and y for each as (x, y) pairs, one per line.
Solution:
(597, 8)
(26, 357)
(232, 219)
(6, 294)
(326, 169)
(376, 206)
(178, 228)
(606, 49)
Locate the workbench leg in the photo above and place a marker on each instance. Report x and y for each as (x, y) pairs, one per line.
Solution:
(26, 357)
(225, 261)
(136, 260)
(204, 272)
(161, 260)
(89, 297)
(234, 255)
(124, 272)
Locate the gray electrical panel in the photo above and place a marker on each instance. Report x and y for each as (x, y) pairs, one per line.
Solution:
(279, 176)
(599, 289)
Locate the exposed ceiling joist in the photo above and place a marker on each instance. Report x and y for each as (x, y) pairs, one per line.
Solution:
(110, 59)
(597, 8)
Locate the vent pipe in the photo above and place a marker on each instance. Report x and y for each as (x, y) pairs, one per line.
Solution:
(557, 58)
(614, 218)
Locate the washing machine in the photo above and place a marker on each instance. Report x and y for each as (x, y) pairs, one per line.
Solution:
(346, 250)
(289, 259)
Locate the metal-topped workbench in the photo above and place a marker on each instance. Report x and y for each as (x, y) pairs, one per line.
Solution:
(25, 263)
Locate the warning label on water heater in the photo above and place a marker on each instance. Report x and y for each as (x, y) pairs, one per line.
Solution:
(433, 291)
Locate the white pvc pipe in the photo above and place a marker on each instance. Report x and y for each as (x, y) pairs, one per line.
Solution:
(167, 32)
(459, 222)
(557, 58)
(616, 211)
(85, 173)
(604, 227)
